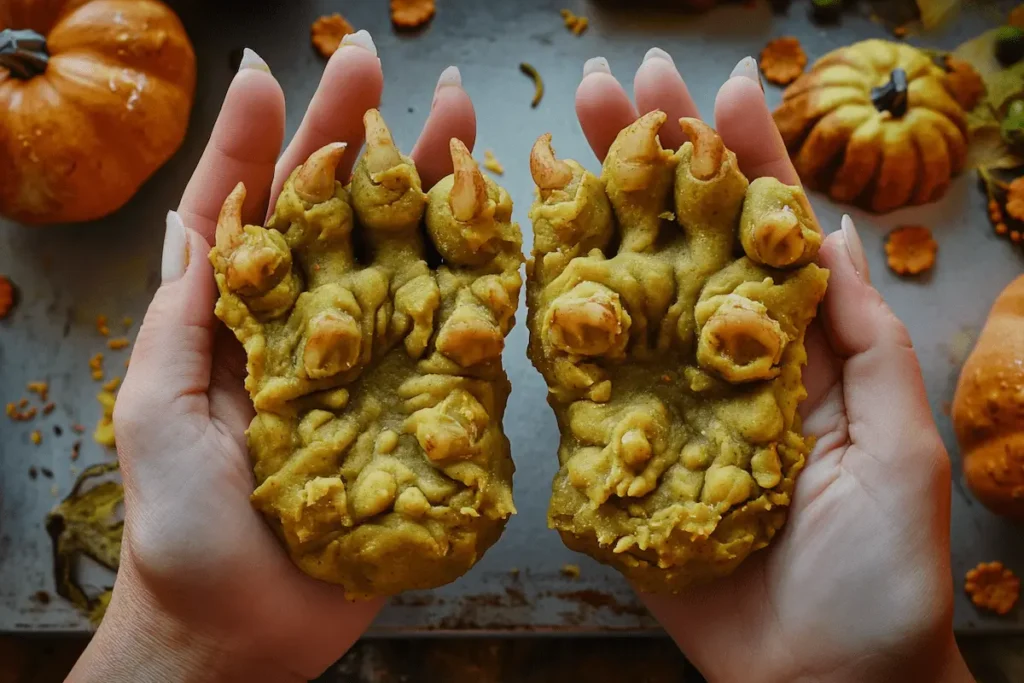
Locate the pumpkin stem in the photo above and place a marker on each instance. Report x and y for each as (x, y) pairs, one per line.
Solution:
(892, 97)
(23, 53)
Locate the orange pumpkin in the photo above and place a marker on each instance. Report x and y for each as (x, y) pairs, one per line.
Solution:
(988, 408)
(95, 96)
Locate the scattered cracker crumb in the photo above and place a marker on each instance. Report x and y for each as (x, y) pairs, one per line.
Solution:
(101, 325)
(112, 385)
(37, 437)
(911, 249)
(6, 297)
(667, 216)
(993, 587)
(96, 366)
(48, 408)
(42, 597)
(118, 343)
(18, 412)
(492, 164)
(574, 23)
(514, 572)
(78, 429)
(900, 31)
(104, 434)
(571, 570)
(327, 32)
(783, 60)
(127, 322)
(412, 13)
(76, 450)
(39, 388)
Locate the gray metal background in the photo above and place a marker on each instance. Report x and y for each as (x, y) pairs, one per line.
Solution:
(68, 275)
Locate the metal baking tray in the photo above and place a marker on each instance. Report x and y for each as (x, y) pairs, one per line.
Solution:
(69, 275)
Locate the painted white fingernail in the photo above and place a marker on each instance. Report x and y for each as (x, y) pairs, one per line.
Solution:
(251, 60)
(596, 65)
(855, 248)
(449, 77)
(658, 53)
(175, 257)
(361, 39)
(747, 68)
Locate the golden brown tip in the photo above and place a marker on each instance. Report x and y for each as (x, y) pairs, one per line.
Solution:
(315, 180)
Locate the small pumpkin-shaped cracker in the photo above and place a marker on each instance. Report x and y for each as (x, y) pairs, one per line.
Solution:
(877, 124)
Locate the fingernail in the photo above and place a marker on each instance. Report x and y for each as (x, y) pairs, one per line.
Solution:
(450, 78)
(251, 60)
(361, 39)
(596, 65)
(658, 53)
(175, 257)
(855, 248)
(747, 68)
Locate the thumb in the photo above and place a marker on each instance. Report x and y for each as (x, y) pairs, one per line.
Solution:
(883, 388)
(169, 373)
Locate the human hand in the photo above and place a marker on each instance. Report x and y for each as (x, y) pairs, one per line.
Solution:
(858, 585)
(205, 590)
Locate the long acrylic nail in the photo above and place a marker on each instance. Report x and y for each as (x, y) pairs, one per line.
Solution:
(450, 78)
(596, 65)
(175, 256)
(251, 60)
(361, 39)
(855, 248)
(747, 68)
(658, 53)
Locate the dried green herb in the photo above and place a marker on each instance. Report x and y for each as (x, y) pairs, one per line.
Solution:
(538, 82)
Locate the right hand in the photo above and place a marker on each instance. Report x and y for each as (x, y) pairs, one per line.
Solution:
(205, 590)
(858, 585)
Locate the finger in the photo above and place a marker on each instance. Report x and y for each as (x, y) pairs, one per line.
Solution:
(170, 367)
(351, 84)
(822, 373)
(746, 125)
(882, 384)
(230, 406)
(658, 85)
(602, 106)
(451, 116)
(242, 147)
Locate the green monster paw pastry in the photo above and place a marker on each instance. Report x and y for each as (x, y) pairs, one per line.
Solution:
(668, 303)
(377, 444)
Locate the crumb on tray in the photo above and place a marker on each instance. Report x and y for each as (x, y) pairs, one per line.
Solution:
(492, 164)
(101, 325)
(571, 570)
(575, 23)
(96, 366)
(118, 343)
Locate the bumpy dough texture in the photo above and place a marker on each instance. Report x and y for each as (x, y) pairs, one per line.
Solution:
(375, 372)
(668, 302)
(856, 135)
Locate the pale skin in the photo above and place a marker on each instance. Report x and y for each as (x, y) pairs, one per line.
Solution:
(857, 588)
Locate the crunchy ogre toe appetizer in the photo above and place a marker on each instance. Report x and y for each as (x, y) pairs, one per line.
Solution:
(376, 375)
(668, 301)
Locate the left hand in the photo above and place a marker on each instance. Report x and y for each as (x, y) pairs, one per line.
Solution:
(205, 590)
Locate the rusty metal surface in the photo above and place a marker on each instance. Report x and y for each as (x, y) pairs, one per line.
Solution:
(68, 275)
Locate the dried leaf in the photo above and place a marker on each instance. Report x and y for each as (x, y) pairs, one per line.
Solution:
(989, 150)
(936, 12)
(1003, 83)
